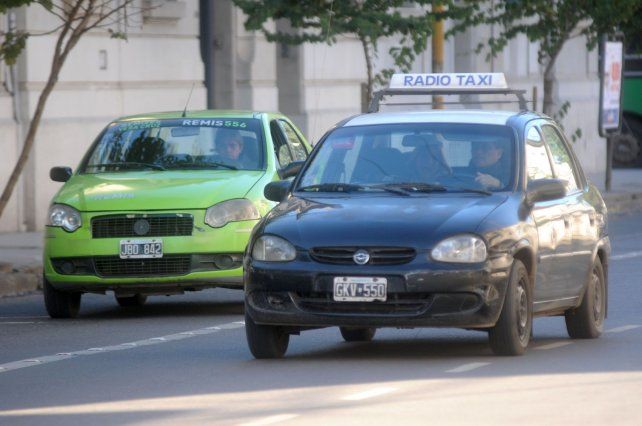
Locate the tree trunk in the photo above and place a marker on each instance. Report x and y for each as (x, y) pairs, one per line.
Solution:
(366, 53)
(549, 85)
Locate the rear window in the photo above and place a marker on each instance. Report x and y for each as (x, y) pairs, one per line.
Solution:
(187, 143)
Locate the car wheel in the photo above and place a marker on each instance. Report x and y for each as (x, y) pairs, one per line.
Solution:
(60, 304)
(131, 301)
(512, 332)
(265, 341)
(357, 334)
(587, 320)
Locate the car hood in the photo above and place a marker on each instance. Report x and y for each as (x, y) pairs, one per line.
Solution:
(417, 221)
(155, 190)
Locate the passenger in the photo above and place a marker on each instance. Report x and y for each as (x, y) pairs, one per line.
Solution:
(487, 164)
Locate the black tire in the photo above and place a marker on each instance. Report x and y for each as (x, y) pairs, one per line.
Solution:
(511, 334)
(357, 334)
(265, 341)
(60, 304)
(131, 301)
(587, 320)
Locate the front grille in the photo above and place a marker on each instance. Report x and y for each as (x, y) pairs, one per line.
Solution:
(114, 266)
(157, 226)
(378, 255)
(397, 304)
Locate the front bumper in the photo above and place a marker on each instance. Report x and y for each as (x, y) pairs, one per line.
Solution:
(77, 261)
(419, 294)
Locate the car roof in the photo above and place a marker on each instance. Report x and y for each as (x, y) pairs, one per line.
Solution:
(208, 113)
(439, 116)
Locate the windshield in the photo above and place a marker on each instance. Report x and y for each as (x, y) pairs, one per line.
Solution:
(187, 143)
(415, 157)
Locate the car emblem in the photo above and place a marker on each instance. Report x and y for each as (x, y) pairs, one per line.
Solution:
(141, 227)
(361, 257)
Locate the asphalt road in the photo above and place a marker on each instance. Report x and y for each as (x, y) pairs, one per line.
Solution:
(184, 359)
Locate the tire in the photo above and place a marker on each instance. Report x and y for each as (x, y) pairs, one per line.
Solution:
(587, 320)
(511, 334)
(60, 304)
(357, 334)
(131, 301)
(265, 341)
(625, 149)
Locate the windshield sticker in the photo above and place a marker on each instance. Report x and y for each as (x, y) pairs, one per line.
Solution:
(139, 125)
(214, 123)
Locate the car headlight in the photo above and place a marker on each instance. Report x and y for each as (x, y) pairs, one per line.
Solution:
(223, 213)
(269, 248)
(460, 249)
(65, 217)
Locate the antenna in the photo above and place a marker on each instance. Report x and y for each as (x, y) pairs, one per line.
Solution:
(187, 103)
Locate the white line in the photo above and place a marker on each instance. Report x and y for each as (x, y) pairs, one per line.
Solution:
(468, 367)
(553, 346)
(19, 322)
(45, 359)
(623, 328)
(22, 317)
(271, 420)
(368, 394)
(626, 255)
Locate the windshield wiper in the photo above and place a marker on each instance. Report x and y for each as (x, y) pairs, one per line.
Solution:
(350, 187)
(128, 163)
(203, 165)
(415, 187)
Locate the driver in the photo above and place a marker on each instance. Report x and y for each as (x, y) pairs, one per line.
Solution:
(229, 145)
(486, 164)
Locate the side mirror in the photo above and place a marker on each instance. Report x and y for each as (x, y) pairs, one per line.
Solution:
(291, 169)
(545, 190)
(60, 174)
(277, 191)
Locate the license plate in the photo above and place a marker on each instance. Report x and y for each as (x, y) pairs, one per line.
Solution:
(141, 249)
(360, 289)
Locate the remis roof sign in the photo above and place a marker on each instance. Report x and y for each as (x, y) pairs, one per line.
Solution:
(449, 81)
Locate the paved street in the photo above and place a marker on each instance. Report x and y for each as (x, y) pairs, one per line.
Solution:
(184, 359)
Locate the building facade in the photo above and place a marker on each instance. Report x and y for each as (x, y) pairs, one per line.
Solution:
(204, 44)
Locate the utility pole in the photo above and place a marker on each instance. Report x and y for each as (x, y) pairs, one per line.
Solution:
(437, 50)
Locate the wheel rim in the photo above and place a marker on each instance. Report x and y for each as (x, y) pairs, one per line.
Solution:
(598, 298)
(522, 311)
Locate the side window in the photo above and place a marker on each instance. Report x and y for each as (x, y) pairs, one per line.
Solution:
(283, 155)
(538, 165)
(562, 163)
(296, 145)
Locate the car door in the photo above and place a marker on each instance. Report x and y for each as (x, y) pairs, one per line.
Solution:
(549, 220)
(288, 146)
(579, 215)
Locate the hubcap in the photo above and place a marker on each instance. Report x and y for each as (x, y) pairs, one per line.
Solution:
(597, 297)
(522, 311)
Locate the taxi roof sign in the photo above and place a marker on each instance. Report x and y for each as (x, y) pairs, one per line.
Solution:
(449, 81)
(448, 84)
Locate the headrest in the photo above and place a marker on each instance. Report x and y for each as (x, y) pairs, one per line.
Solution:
(420, 141)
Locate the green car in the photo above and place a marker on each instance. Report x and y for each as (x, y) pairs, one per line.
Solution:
(164, 203)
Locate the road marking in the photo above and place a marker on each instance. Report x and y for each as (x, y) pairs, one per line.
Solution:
(19, 322)
(271, 420)
(553, 346)
(23, 317)
(468, 367)
(368, 394)
(623, 328)
(627, 255)
(118, 347)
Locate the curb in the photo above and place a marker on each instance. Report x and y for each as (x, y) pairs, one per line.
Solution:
(623, 202)
(18, 282)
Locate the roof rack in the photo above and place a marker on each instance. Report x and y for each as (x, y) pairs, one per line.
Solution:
(448, 84)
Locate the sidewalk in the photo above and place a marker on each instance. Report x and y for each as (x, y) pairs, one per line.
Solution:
(21, 253)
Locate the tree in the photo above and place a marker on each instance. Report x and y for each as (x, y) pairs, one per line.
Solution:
(551, 23)
(77, 18)
(370, 21)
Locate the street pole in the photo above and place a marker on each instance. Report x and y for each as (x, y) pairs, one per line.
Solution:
(437, 49)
